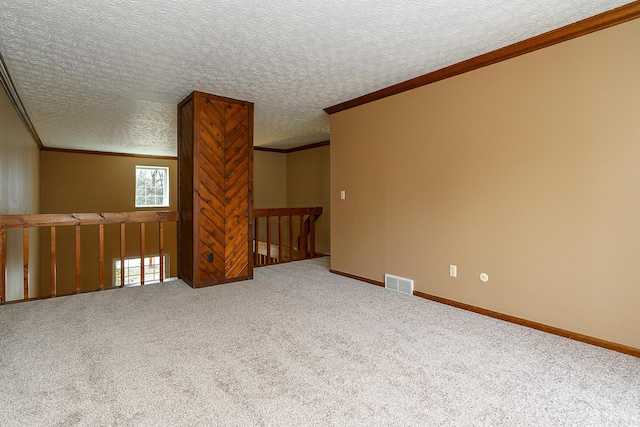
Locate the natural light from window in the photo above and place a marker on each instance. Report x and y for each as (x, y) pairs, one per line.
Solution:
(152, 186)
(132, 270)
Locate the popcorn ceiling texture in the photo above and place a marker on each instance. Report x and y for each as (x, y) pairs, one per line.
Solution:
(107, 75)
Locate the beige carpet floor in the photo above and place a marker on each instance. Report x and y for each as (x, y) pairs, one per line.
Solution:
(296, 346)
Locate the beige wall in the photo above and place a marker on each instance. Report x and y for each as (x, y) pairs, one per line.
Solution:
(269, 188)
(308, 186)
(526, 170)
(19, 194)
(73, 183)
(269, 179)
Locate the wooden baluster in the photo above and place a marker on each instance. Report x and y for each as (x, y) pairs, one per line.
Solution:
(302, 243)
(25, 259)
(280, 239)
(54, 221)
(268, 240)
(78, 264)
(291, 257)
(312, 230)
(3, 264)
(142, 238)
(161, 247)
(54, 261)
(122, 248)
(101, 260)
(256, 242)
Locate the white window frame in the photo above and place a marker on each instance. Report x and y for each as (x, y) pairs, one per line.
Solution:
(165, 188)
(116, 276)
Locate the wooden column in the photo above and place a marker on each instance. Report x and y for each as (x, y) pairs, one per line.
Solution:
(215, 171)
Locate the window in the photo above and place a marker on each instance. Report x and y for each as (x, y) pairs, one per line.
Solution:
(152, 186)
(132, 270)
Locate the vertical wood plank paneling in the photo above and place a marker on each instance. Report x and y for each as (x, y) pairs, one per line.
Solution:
(3, 264)
(142, 251)
(78, 261)
(101, 260)
(122, 252)
(25, 261)
(54, 263)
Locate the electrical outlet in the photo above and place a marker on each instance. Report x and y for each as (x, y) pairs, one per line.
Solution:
(453, 270)
(210, 256)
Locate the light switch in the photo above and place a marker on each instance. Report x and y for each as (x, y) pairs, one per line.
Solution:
(453, 270)
(343, 195)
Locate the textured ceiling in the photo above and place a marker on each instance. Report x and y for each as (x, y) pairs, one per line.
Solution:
(106, 75)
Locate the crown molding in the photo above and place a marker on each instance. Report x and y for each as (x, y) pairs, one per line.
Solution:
(294, 149)
(599, 22)
(107, 153)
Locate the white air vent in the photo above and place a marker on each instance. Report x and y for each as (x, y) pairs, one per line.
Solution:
(399, 284)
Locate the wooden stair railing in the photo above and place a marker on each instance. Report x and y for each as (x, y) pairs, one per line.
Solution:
(290, 248)
(309, 224)
(78, 220)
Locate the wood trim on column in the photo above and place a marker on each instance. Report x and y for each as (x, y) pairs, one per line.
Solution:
(586, 26)
(252, 238)
(620, 348)
(195, 179)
